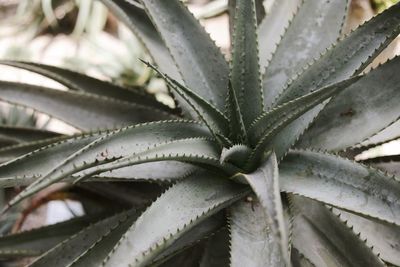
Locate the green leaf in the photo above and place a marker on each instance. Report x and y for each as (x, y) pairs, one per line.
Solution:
(238, 133)
(209, 114)
(348, 57)
(179, 209)
(277, 118)
(25, 134)
(200, 151)
(98, 239)
(273, 27)
(381, 236)
(37, 241)
(341, 183)
(80, 82)
(119, 144)
(162, 171)
(136, 19)
(267, 130)
(252, 242)
(358, 112)
(265, 185)
(82, 110)
(325, 240)
(26, 168)
(316, 25)
(245, 69)
(199, 60)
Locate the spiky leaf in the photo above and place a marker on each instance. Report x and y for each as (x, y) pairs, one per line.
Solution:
(200, 62)
(179, 209)
(359, 112)
(265, 185)
(252, 241)
(88, 240)
(350, 56)
(341, 183)
(325, 240)
(82, 110)
(38, 241)
(316, 26)
(273, 26)
(80, 82)
(245, 69)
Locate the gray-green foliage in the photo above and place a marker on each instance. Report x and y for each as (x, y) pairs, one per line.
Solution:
(249, 168)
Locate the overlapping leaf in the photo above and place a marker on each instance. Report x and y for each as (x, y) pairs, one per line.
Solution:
(82, 110)
(115, 145)
(178, 210)
(350, 56)
(80, 82)
(38, 241)
(245, 69)
(203, 67)
(342, 183)
(325, 240)
(316, 26)
(358, 112)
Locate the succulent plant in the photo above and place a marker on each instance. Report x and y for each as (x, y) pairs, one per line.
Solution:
(253, 167)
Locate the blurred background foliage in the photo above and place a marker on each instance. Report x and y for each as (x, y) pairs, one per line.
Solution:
(380, 5)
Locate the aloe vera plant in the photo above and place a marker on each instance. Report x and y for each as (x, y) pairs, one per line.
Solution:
(249, 169)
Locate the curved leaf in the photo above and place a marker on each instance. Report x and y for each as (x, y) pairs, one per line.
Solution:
(210, 115)
(347, 119)
(277, 118)
(179, 209)
(89, 240)
(14, 151)
(82, 110)
(341, 183)
(200, 151)
(136, 19)
(25, 134)
(273, 27)
(316, 25)
(325, 240)
(391, 132)
(383, 237)
(267, 130)
(162, 171)
(200, 62)
(122, 143)
(29, 167)
(80, 82)
(37, 241)
(349, 57)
